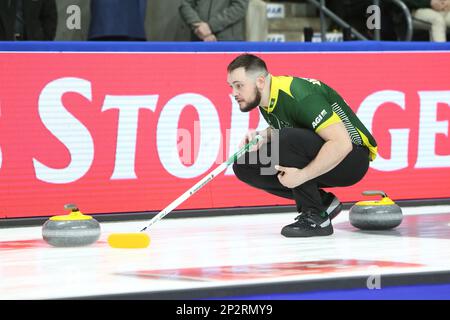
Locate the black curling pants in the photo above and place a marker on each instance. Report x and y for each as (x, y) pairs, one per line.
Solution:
(297, 148)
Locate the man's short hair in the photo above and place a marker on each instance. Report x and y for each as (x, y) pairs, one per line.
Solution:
(249, 62)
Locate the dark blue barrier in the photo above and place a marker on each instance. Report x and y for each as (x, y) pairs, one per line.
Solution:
(104, 46)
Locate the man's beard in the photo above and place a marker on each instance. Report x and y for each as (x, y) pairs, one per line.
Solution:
(254, 103)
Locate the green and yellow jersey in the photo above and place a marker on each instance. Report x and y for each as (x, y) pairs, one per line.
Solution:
(311, 104)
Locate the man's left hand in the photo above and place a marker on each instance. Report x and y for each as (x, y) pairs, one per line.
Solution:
(446, 5)
(290, 177)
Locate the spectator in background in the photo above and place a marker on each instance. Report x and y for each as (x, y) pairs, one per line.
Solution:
(215, 20)
(436, 12)
(117, 20)
(28, 20)
(354, 12)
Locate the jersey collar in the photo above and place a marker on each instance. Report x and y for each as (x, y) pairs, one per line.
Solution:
(282, 83)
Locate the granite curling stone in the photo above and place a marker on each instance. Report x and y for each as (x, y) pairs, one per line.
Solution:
(384, 214)
(72, 230)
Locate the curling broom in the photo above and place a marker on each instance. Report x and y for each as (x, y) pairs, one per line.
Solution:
(142, 239)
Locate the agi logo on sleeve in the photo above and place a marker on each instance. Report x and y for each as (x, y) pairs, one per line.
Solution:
(318, 119)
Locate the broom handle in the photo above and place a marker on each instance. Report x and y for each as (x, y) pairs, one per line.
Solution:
(202, 182)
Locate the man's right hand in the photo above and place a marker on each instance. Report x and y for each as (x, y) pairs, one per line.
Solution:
(250, 135)
(439, 5)
(210, 38)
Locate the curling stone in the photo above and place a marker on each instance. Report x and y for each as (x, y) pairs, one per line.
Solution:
(376, 215)
(72, 230)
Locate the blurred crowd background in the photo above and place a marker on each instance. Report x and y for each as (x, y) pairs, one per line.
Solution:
(223, 20)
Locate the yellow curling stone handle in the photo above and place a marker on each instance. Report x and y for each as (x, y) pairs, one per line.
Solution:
(75, 214)
(385, 200)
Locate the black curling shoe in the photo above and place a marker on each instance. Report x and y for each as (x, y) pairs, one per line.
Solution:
(309, 224)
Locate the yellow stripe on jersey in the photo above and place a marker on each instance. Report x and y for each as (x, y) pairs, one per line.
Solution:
(333, 119)
(372, 150)
(282, 83)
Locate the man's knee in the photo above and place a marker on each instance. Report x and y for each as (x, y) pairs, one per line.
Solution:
(429, 15)
(296, 135)
(286, 137)
(439, 22)
(298, 141)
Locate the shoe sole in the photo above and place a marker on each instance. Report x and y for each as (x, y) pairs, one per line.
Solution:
(306, 234)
